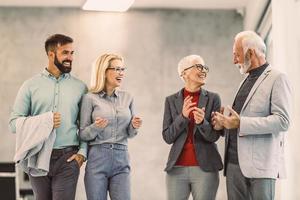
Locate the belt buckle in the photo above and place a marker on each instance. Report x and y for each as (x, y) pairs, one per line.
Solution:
(111, 146)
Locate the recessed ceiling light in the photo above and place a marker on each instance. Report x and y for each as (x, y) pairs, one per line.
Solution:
(108, 5)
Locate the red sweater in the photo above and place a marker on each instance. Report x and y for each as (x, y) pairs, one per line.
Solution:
(188, 154)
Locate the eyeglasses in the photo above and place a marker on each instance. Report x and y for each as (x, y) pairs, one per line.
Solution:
(118, 69)
(200, 67)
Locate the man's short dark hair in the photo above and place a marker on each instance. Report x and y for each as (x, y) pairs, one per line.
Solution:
(57, 39)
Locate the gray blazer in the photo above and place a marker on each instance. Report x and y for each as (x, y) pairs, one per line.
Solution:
(175, 129)
(264, 118)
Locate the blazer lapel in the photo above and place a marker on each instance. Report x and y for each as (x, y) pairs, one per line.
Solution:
(179, 102)
(203, 98)
(255, 86)
(202, 103)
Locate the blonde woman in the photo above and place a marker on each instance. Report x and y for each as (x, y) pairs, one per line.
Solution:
(106, 121)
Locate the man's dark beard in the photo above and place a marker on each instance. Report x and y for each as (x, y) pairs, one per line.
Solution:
(61, 67)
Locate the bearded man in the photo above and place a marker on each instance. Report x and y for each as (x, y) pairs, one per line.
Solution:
(56, 92)
(256, 124)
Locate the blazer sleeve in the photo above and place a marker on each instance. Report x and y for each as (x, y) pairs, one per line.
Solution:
(172, 128)
(280, 108)
(205, 128)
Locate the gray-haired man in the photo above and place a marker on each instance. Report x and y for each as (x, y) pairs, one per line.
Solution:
(256, 124)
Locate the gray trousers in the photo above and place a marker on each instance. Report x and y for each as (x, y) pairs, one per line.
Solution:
(242, 188)
(182, 181)
(61, 181)
(107, 170)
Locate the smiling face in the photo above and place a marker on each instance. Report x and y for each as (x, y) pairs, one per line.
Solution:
(114, 74)
(195, 75)
(63, 57)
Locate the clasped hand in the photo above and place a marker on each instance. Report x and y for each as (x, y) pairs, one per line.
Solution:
(189, 106)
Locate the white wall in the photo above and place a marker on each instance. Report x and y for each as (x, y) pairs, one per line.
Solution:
(286, 55)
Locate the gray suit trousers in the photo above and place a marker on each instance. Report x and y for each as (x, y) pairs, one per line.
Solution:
(242, 188)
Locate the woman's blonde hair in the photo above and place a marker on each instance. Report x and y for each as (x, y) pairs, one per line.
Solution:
(98, 71)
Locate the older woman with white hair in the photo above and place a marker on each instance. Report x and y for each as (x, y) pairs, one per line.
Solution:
(107, 120)
(194, 161)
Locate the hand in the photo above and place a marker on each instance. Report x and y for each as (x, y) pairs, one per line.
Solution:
(230, 122)
(56, 119)
(136, 122)
(188, 106)
(101, 122)
(199, 115)
(78, 158)
(216, 121)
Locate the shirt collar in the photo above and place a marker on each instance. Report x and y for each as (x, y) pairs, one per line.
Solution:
(114, 94)
(48, 74)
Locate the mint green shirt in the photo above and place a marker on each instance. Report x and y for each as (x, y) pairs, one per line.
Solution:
(43, 93)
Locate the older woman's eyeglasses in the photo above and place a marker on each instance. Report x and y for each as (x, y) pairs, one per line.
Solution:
(200, 67)
(118, 69)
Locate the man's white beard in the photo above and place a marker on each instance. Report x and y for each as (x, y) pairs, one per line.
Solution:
(244, 67)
